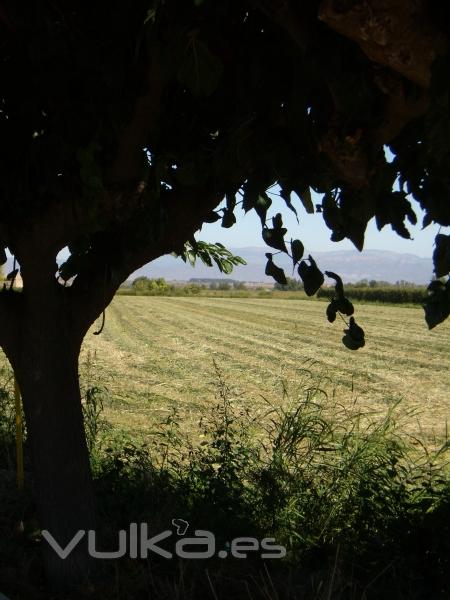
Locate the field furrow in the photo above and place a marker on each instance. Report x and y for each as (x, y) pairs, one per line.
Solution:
(157, 353)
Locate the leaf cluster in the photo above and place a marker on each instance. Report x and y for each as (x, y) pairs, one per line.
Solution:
(209, 254)
(234, 99)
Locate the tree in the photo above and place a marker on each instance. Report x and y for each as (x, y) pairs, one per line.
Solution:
(156, 286)
(292, 285)
(124, 126)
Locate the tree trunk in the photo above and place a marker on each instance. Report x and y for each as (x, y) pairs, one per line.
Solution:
(45, 361)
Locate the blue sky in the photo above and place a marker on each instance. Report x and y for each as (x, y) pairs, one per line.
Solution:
(315, 235)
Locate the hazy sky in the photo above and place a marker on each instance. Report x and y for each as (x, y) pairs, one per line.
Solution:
(315, 235)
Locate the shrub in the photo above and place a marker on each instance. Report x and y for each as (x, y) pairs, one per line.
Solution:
(391, 294)
(355, 504)
(293, 285)
(144, 285)
(335, 488)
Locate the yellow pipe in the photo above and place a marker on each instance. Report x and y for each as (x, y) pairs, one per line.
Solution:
(19, 436)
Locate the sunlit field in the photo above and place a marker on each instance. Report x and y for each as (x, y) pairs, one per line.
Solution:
(157, 353)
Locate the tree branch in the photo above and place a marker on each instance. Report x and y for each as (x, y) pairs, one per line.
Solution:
(136, 135)
(394, 33)
(66, 218)
(112, 261)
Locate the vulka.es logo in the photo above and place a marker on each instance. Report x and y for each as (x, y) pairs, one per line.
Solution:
(137, 544)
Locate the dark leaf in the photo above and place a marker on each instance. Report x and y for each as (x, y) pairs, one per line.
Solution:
(261, 206)
(297, 250)
(344, 306)
(339, 287)
(331, 312)
(250, 196)
(228, 218)
(277, 221)
(347, 218)
(351, 343)
(273, 271)
(393, 210)
(441, 255)
(3, 257)
(342, 303)
(212, 217)
(355, 331)
(194, 244)
(355, 232)
(275, 238)
(72, 266)
(311, 275)
(437, 304)
(230, 200)
(287, 198)
(331, 214)
(302, 192)
(255, 186)
(305, 197)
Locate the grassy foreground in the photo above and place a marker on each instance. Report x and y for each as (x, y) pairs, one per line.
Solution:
(247, 417)
(156, 354)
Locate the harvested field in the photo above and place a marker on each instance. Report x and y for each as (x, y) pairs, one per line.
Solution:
(157, 353)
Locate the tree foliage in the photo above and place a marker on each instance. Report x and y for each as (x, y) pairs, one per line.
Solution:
(122, 128)
(144, 284)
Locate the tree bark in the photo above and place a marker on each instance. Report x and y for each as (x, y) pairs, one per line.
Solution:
(45, 361)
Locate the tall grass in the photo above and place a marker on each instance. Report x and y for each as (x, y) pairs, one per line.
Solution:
(7, 420)
(361, 508)
(358, 506)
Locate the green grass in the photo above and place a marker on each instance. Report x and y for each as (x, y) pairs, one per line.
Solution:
(247, 416)
(157, 353)
(360, 512)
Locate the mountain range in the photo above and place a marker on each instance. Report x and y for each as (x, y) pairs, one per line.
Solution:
(381, 265)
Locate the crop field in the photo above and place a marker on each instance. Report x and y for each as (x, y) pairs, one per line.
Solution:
(157, 354)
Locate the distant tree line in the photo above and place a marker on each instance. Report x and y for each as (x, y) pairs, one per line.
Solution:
(292, 285)
(146, 286)
(401, 292)
(227, 285)
(389, 293)
(374, 283)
